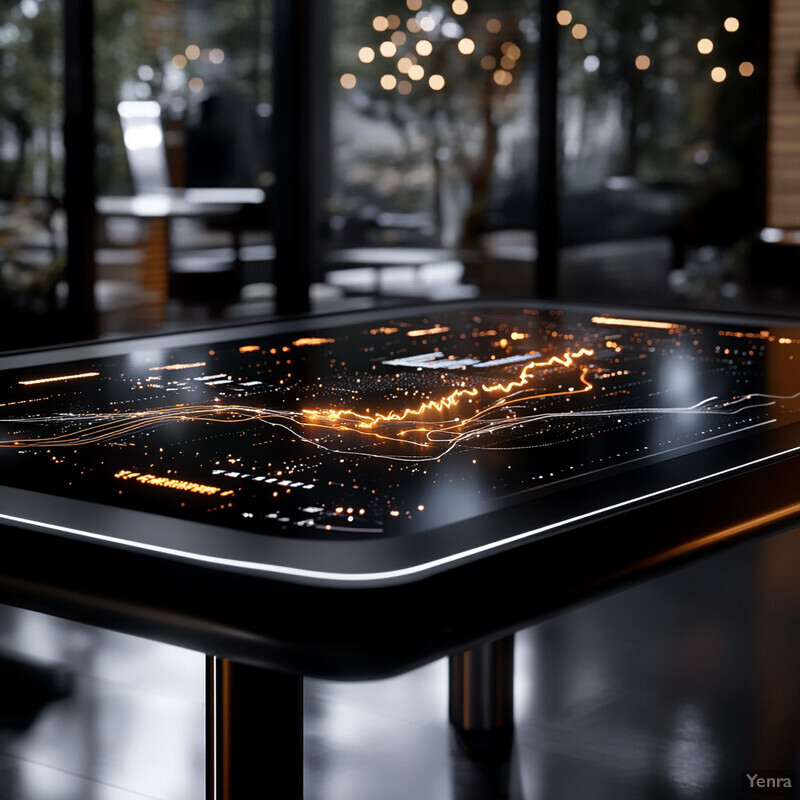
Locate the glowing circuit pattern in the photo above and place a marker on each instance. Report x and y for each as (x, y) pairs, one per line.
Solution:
(393, 427)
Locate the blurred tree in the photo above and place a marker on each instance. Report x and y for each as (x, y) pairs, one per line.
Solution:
(30, 68)
(642, 60)
(448, 78)
(637, 95)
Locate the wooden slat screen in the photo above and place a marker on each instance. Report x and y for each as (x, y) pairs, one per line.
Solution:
(783, 137)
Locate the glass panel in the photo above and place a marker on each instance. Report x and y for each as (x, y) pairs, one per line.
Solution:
(32, 235)
(433, 141)
(183, 121)
(660, 115)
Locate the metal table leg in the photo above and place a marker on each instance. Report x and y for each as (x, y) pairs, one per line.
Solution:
(254, 732)
(482, 699)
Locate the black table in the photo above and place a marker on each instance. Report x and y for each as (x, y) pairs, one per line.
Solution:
(351, 496)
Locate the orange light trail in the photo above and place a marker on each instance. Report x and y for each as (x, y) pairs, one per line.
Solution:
(23, 402)
(249, 348)
(60, 378)
(178, 366)
(429, 331)
(747, 335)
(108, 427)
(566, 361)
(167, 483)
(447, 402)
(309, 340)
(635, 323)
(364, 421)
(121, 424)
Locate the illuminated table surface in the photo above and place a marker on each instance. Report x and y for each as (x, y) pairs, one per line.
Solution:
(354, 495)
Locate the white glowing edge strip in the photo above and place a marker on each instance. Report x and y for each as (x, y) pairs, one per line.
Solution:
(395, 573)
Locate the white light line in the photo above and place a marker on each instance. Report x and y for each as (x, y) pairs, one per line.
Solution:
(366, 577)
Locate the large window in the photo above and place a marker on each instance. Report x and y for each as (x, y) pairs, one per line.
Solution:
(433, 125)
(32, 234)
(660, 113)
(184, 113)
(660, 128)
(422, 149)
(208, 66)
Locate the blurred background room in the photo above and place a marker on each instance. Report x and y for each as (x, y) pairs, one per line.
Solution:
(151, 153)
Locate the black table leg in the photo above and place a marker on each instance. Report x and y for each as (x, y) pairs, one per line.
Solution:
(254, 732)
(482, 699)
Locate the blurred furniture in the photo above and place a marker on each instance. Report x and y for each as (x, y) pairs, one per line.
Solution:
(405, 272)
(184, 257)
(624, 211)
(32, 260)
(213, 275)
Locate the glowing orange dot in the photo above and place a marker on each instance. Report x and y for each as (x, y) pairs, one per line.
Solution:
(414, 5)
(466, 46)
(494, 25)
(718, 74)
(579, 31)
(348, 80)
(705, 46)
(366, 55)
(731, 24)
(416, 73)
(746, 69)
(404, 87)
(388, 82)
(436, 82)
(424, 47)
(642, 62)
(388, 49)
(460, 7)
(393, 21)
(502, 77)
(404, 64)
(380, 23)
(564, 17)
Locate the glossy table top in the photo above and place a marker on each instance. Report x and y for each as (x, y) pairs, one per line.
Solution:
(375, 462)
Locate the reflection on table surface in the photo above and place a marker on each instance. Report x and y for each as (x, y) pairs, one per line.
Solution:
(385, 428)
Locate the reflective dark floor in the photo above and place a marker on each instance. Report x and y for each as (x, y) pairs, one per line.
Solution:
(670, 689)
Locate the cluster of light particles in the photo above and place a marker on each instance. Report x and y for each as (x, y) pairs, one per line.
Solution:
(391, 428)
